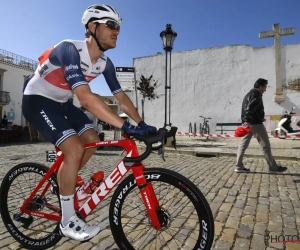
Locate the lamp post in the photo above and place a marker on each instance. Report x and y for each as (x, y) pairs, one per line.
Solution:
(168, 36)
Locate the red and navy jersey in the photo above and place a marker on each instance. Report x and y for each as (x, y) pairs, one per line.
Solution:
(66, 66)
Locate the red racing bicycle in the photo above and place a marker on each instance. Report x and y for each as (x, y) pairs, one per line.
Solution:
(152, 208)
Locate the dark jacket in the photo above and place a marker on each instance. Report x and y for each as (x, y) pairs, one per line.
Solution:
(253, 108)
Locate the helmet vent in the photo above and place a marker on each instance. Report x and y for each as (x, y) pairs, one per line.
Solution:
(101, 8)
(112, 9)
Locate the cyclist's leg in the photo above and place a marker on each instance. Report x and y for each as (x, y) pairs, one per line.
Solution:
(49, 118)
(82, 125)
(88, 136)
(74, 227)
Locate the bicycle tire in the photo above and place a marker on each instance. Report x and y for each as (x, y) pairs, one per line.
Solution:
(200, 128)
(15, 231)
(207, 128)
(204, 219)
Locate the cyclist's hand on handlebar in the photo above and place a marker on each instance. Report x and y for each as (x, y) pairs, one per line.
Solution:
(152, 130)
(131, 129)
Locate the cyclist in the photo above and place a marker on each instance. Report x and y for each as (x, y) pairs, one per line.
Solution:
(66, 68)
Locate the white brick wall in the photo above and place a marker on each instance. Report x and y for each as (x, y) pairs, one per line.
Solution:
(212, 82)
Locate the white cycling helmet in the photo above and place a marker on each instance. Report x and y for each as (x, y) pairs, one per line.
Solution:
(99, 11)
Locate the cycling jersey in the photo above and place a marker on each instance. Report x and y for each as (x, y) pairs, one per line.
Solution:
(66, 66)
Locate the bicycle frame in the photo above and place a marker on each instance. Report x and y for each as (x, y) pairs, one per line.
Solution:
(146, 190)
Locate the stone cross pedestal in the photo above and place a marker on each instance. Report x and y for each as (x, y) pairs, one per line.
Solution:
(276, 33)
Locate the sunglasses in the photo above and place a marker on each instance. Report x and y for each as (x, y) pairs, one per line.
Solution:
(110, 24)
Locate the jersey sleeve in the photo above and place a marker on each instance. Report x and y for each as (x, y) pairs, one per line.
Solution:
(69, 61)
(109, 74)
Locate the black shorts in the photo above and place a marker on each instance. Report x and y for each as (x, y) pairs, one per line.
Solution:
(55, 121)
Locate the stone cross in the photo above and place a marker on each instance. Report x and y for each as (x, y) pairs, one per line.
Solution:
(276, 33)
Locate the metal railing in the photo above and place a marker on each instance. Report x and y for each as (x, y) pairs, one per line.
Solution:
(4, 98)
(17, 60)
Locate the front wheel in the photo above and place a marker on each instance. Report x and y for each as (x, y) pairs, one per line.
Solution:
(185, 216)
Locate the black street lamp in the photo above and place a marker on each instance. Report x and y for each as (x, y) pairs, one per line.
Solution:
(168, 36)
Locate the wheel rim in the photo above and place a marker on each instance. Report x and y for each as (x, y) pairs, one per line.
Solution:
(178, 217)
(32, 227)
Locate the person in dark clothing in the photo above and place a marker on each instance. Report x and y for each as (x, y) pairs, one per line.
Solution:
(4, 121)
(253, 116)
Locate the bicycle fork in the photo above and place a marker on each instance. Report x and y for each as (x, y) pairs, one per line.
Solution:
(148, 196)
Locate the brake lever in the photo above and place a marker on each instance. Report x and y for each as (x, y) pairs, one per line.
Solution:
(161, 151)
(174, 142)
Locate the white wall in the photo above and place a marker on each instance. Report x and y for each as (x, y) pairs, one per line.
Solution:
(13, 81)
(212, 82)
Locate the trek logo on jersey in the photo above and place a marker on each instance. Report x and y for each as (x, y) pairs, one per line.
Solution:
(43, 70)
(50, 124)
(70, 67)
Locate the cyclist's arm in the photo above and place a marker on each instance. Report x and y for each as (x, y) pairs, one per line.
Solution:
(66, 55)
(127, 106)
(124, 101)
(97, 107)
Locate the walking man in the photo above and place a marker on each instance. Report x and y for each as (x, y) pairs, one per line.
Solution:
(253, 116)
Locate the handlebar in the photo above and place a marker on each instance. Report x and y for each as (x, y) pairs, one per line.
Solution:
(148, 140)
(205, 117)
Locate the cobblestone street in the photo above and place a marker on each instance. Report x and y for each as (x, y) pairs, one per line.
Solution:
(245, 206)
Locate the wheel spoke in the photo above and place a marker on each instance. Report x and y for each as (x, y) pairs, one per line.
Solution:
(22, 180)
(182, 206)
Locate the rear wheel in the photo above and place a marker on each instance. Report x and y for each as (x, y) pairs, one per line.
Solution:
(185, 216)
(31, 232)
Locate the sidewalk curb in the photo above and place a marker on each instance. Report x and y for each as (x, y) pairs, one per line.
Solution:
(225, 154)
